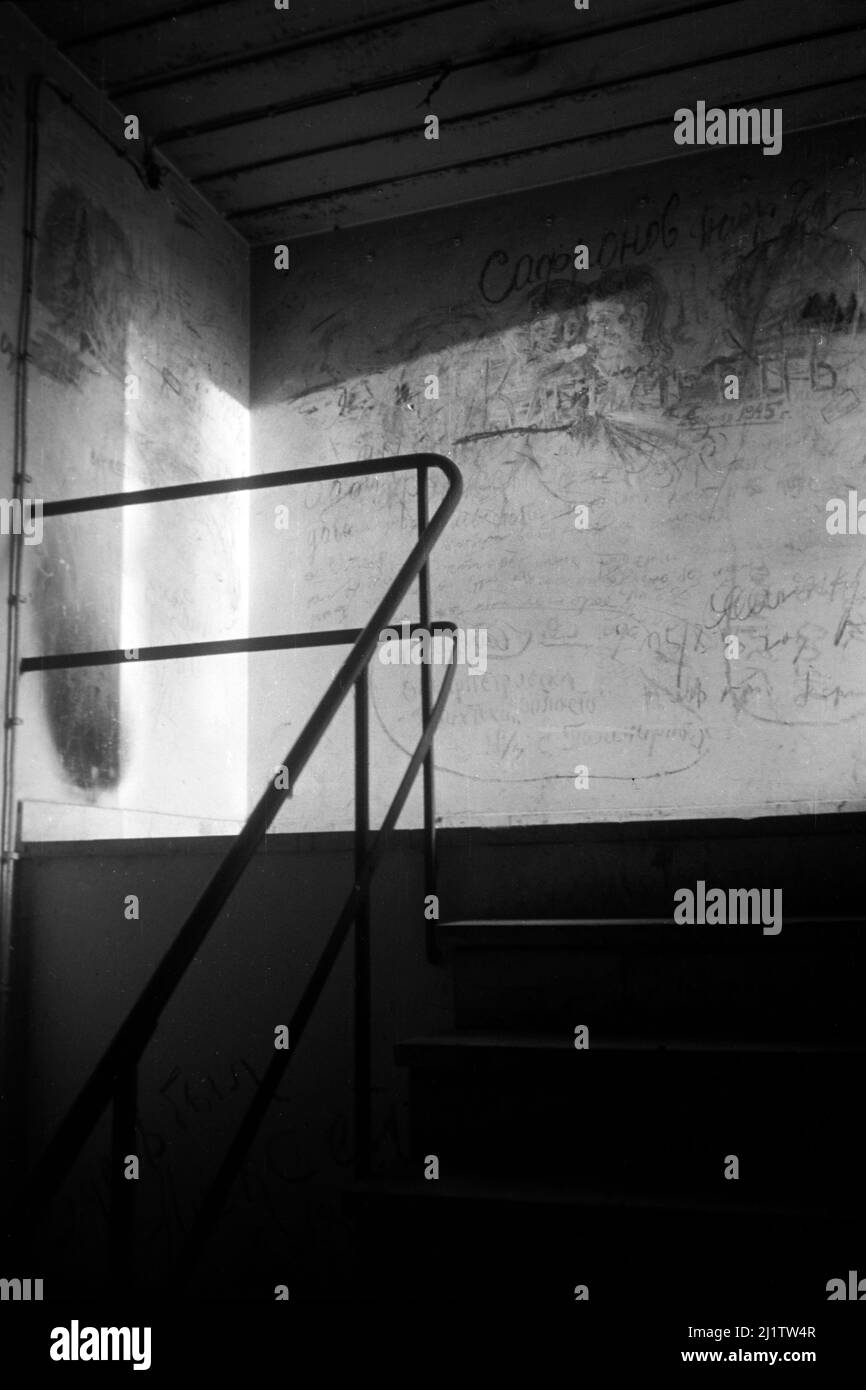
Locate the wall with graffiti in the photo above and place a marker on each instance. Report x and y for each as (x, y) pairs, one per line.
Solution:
(474, 333)
(137, 377)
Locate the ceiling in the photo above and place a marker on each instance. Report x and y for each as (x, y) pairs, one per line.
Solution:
(292, 122)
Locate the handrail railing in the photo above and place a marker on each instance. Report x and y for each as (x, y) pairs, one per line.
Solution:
(114, 1076)
(219, 1190)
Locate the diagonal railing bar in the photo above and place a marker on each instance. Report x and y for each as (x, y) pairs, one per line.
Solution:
(141, 1021)
(429, 820)
(212, 1204)
(362, 1002)
(122, 1226)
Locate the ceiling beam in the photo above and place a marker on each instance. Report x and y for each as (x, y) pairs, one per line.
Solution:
(538, 166)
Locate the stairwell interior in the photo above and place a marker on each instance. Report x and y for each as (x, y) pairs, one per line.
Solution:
(560, 1073)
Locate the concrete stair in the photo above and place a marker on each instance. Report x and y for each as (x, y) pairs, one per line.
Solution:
(605, 1165)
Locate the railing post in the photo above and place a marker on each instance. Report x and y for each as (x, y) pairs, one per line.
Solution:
(429, 791)
(363, 1041)
(122, 1212)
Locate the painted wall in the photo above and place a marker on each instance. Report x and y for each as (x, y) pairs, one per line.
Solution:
(138, 377)
(82, 962)
(561, 388)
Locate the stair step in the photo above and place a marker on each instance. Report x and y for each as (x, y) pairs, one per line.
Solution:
(649, 933)
(634, 975)
(482, 1188)
(506, 1049)
(633, 1111)
(474, 1239)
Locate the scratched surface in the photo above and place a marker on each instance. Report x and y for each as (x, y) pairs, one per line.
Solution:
(601, 388)
(138, 350)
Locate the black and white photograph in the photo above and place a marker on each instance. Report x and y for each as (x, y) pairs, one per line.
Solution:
(434, 744)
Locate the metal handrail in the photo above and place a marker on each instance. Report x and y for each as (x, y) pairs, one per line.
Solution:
(215, 1197)
(114, 1074)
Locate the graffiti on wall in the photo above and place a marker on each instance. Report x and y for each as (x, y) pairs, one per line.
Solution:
(556, 387)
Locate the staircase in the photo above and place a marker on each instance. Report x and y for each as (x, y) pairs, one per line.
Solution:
(113, 1083)
(603, 1165)
(626, 1109)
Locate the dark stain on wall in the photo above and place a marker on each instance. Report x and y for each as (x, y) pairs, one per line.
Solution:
(82, 705)
(85, 282)
(84, 718)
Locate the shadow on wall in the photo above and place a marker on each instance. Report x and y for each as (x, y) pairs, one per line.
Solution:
(574, 341)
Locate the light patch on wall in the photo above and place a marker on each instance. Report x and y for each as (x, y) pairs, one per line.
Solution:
(185, 579)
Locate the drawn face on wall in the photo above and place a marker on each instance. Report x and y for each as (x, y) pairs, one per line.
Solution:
(615, 330)
(554, 323)
(556, 337)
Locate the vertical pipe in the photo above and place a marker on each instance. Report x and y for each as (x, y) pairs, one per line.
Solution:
(8, 837)
(433, 954)
(123, 1143)
(363, 1040)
